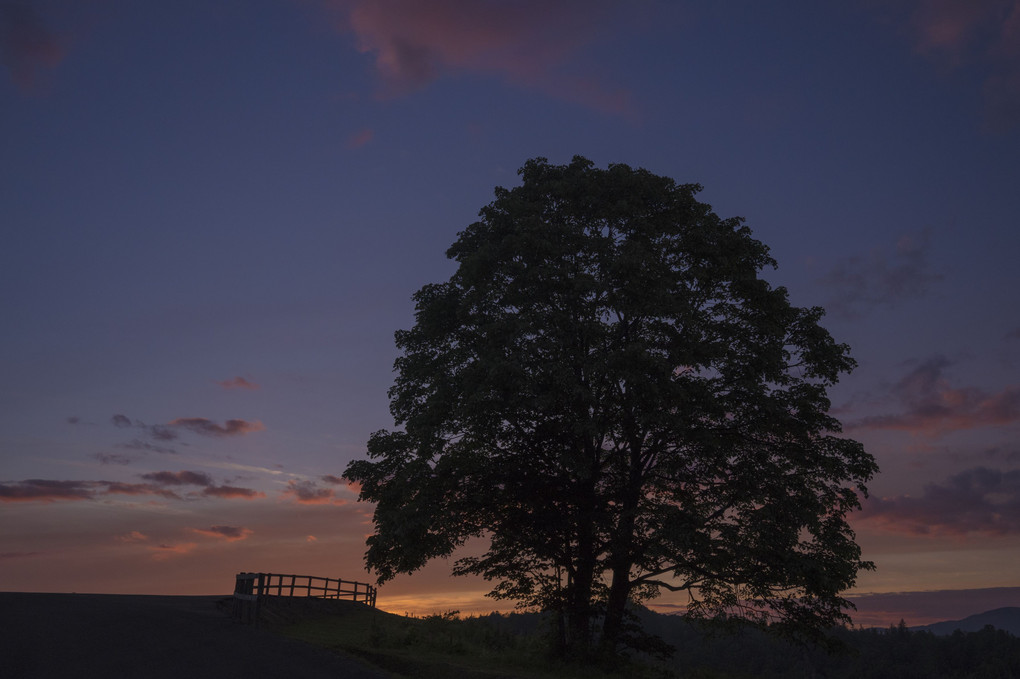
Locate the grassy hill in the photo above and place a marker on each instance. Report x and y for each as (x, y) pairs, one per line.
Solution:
(437, 646)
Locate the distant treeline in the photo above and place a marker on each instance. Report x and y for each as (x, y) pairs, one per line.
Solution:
(893, 653)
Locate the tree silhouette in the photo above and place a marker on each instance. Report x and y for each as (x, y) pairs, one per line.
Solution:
(611, 398)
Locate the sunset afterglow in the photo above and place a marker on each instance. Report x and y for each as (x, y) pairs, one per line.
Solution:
(215, 215)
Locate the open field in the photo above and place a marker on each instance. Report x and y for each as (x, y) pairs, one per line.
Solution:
(54, 636)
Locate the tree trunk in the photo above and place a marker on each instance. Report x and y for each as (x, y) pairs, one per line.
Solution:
(622, 557)
(579, 609)
(616, 608)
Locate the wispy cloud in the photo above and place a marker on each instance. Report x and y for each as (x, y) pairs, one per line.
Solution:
(156, 432)
(360, 138)
(527, 42)
(165, 551)
(140, 445)
(228, 533)
(113, 458)
(198, 425)
(205, 427)
(979, 500)
(19, 555)
(27, 44)
(931, 405)
(237, 383)
(885, 276)
(309, 493)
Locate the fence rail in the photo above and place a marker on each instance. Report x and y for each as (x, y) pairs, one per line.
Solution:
(250, 589)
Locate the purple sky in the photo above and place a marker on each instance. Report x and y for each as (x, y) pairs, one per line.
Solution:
(215, 213)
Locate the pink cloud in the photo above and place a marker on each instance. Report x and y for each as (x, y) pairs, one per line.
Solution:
(205, 427)
(308, 493)
(932, 406)
(237, 383)
(27, 45)
(360, 138)
(982, 32)
(528, 42)
(228, 533)
(133, 536)
(952, 26)
(976, 501)
(166, 551)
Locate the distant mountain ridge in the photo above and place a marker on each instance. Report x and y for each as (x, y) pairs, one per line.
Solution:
(1007, 619)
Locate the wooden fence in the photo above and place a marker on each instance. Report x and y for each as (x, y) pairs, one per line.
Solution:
(251, 589)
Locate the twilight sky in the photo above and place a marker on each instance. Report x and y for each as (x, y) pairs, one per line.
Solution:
(214, 215)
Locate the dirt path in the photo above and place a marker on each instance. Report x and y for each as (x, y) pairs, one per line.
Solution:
(51, 636)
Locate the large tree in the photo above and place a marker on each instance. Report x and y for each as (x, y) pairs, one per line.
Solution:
(608, 395)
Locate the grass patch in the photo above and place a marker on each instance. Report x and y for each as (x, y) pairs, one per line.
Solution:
(438, 646)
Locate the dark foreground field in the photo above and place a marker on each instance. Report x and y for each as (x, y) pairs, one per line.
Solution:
(51, 636)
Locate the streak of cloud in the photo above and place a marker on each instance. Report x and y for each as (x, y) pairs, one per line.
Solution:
(238, 383)
(138, 444)
(19, 555)
(526, 42)
(932, 406)
(180, 478)
(165, 551)
(113, 458)
(232, 492)
(48, 490)
(360, 138)
(205, 427)
(161, 484)
(228, 533)
(976, 501)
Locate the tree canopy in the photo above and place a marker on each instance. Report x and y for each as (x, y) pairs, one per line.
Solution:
(613, 400)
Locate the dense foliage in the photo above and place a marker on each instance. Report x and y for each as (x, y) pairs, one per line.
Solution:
(611, 398)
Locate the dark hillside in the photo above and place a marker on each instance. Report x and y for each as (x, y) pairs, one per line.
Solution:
(1006, 619)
